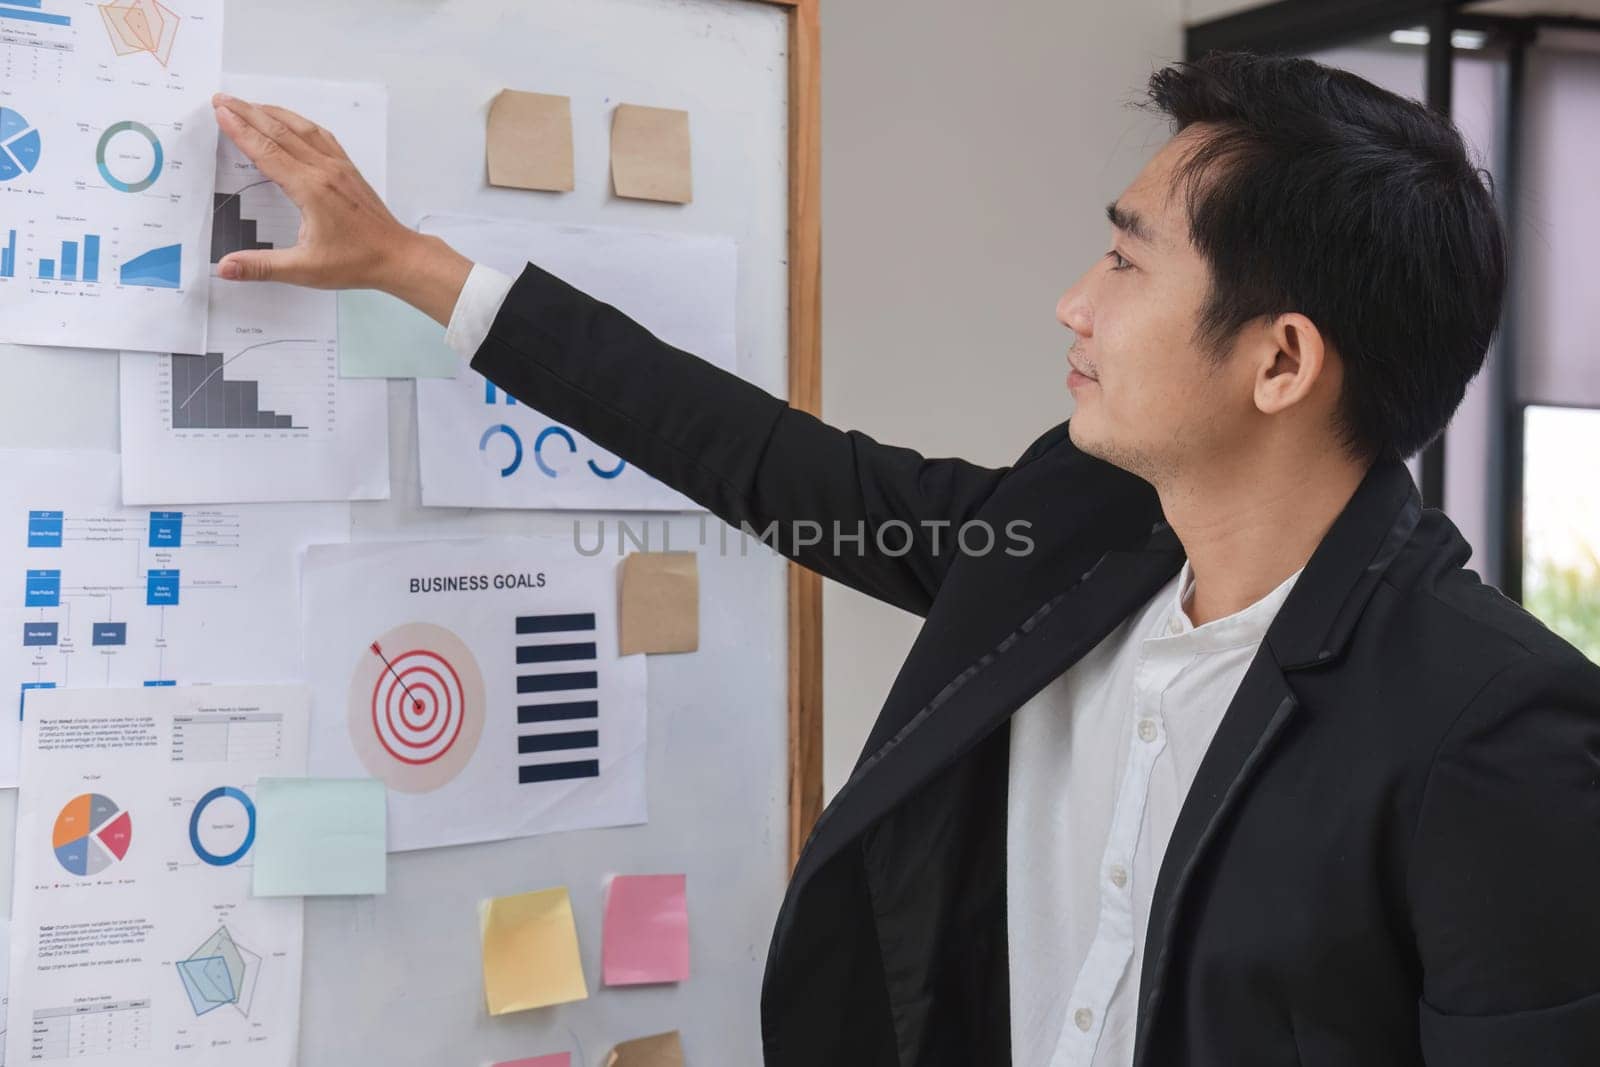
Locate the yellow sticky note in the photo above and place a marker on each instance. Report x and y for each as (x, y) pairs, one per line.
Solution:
(650, 153)
(530, 951)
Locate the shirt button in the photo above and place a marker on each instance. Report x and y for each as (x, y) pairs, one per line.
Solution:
(1083, 1018)
(1119, 875)
(1147, 730)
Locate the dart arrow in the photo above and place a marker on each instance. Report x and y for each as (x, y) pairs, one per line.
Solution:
(415, 703)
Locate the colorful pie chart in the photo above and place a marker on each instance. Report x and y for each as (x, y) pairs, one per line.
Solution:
(91, 834)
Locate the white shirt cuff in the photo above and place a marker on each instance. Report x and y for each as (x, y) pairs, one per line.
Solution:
(475, 310)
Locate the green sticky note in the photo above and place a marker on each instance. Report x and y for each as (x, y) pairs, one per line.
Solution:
(320, 837)
(381, 337)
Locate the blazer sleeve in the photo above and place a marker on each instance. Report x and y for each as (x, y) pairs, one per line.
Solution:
(1505, 874)
(825, 498)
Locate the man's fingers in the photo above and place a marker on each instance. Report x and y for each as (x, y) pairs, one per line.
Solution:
(267, 265)
(307, 130)
(270, 127)
(268, 156)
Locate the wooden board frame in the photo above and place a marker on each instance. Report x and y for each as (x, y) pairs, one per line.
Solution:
(805, 393)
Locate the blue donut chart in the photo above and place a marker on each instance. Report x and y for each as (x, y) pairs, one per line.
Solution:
(219, 793)
(142, 130)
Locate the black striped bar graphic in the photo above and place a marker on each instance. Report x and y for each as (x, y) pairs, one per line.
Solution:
(549, 624)
(558, 742)
(575, 651)
(554, 653)
(552, 683)
(558, 772)
(571, 709)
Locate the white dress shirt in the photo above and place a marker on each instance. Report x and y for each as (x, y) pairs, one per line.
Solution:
(476, 307)
(1101, 759)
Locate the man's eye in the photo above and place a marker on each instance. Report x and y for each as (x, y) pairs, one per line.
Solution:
(1117, 262)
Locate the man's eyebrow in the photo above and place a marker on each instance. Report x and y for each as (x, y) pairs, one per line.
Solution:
(1129, 222)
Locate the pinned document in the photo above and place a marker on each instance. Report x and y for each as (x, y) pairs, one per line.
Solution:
(650, 153)
(530, 952)
(320, 837)
(529, 142)
(660, 602)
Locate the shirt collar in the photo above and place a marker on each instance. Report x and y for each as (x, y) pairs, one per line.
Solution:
(1247, 626)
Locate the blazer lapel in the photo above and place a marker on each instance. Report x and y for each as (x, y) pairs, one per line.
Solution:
(985, 692)
(1310, 630)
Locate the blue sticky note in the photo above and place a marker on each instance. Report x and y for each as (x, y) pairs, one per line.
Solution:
(320, 837)
(381, 337)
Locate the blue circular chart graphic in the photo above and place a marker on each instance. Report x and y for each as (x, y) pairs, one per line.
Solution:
(19, 145)
(222, 792)
(142, 130)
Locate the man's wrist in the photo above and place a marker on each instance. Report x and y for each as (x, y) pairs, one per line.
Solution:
(426, 273)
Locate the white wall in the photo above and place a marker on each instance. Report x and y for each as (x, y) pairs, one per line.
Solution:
(968, 153)
(1202, 10)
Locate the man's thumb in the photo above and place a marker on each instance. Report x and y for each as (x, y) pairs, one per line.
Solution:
(255, 266)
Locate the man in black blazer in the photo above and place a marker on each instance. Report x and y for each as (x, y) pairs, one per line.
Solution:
(1384, 849)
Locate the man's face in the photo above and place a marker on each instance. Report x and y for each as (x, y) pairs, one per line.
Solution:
(1150, 399)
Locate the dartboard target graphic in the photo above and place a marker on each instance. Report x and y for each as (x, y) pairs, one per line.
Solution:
(416, 707)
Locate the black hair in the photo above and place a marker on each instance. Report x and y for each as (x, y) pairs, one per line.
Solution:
(1317, 192)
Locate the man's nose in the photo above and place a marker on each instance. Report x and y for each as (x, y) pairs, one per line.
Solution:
(1074, 311)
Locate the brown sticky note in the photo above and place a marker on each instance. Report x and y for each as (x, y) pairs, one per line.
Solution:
(657, 1050)
(530, 141)
(660, 603)
(530, 952)
(650, 153)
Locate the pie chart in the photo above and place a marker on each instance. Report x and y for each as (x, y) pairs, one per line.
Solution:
(19, 145)
(91, 834)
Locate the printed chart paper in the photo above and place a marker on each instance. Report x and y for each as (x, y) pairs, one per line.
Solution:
(480, 448)
(107, 157)
(135, 938)
(480, 680)
(260, 412)
(262, 415)
(107, 596)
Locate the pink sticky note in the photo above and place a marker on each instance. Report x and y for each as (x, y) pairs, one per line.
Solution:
(647, 930)
(555, 1059)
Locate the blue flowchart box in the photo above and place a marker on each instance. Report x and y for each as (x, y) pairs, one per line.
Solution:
(44, 528)
(42, 589)
(161, 588)
(39, 633)
(161, 682)
(166, 529)
(23, 699)
(110, 633)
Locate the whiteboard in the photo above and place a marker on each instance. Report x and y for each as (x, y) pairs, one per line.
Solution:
(396, 979)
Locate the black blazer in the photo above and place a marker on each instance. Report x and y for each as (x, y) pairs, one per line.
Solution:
(1390, 855)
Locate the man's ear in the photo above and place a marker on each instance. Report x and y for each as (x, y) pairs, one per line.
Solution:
(1293, 359)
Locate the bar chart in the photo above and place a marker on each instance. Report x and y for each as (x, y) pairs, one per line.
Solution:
(283, 386)
(68, 266)
(202, 399)
(8, 255)
(230, 230)
(31, 11)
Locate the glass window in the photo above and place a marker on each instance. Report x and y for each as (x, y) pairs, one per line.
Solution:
(1561, 523)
